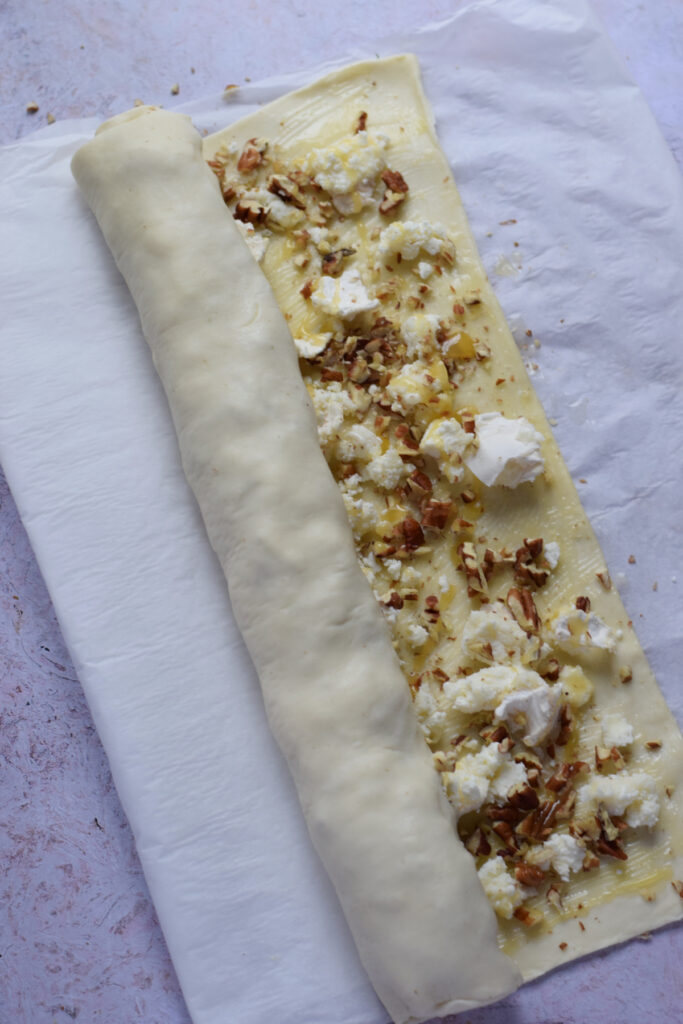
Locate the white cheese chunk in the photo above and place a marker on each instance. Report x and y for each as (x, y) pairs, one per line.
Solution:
(503, 892)
(353, 161)
(332, 404)
(535, 711)
(410, 237)
(492, 635)
(562, 852)
(617, 731)
(308, 348)
(345, 296)
(418, 331)
(387, 470)
(283, 214)
(576, 629)
(416, 635)
(359, 444)
(551, 553)
(447, 442)
(632, 795)
(508, 453)
(484, 690)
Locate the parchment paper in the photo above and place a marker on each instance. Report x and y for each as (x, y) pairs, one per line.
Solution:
(543, 127)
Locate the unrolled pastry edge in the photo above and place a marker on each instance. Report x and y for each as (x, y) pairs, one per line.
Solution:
(335, 695)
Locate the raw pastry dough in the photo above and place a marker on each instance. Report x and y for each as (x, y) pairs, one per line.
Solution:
(335, 695)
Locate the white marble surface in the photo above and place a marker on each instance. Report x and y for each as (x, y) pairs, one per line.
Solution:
(78, 935)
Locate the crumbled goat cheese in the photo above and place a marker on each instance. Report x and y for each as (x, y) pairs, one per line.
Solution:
(393, 567)
(424, 270)
(617, 731)
(551, 553)
(331, 404)
(359, 444)
(344, 296)
(629, 794)
(492, 635)
(409, 237)
(561, 852)
(416, 635)
(416, 383)
(308, 348)
(504, 893)
(446, 441)
(537, 708)
(431, 715)
(484, 690)
(578, 629)
(387, 470)
(418, 332)
(509, 451)
(353, 162)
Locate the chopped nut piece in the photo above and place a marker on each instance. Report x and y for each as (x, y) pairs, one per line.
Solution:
(678, 887)
(565, 726)
(521, 604)
(590, 862)
(605, 579)
(32, 107)
(526, 917)
(562, 946)
(529, 874)
(653, 744)
(250, 211)
(252, 155)
(468, 496)
(554, 897)
(390, 202)
(631, 559)
(626, 673)
(478, 844)
(286, 190)
(361, 122)
(603, 756)
(175, 89)
(412, 532)
(435, 514)
(306, 290)
(564, 775)
(395, 600)
(333, 261)
(523, 797)
(419, 485)
(583, 604)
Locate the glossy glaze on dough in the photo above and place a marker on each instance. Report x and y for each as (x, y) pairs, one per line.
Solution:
(335, 695)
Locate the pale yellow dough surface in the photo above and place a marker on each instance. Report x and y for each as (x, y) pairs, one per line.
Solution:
(622, 899)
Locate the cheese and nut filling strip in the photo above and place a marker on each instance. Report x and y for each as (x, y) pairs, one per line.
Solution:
(554, 746)
(438, 642)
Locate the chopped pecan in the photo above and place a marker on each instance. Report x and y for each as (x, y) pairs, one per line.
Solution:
(412, 532)
(326, 374)
(611, 848)
(468, 423)
(418, 483)
(529, 874)
(252, 155)
(653, 744)
(583, 604)
(554, 897)
(523, 797)
(286, 190)
(526, 917)
(604, 755)
(333, 261)
(250, 211)
(605, 579)
(476, 578)
(625, 673)
(361, 122)
(526, 571)
(306, 290)
(358, 370)
(390, 202)
(478, 844)
(678, 887)
(521, 604)
(504, 831)
(565, 721)
(564, 775)
(540, 822)
(394, 601)
(440, 675)
(394, 180)
(435, 514)
(468, 496)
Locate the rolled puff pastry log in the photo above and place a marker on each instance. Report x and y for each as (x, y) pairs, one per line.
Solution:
(335, 696)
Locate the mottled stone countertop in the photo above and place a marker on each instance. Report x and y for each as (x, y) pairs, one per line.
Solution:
(78, 934)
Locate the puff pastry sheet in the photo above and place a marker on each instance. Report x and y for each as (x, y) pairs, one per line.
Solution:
(335, 696)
